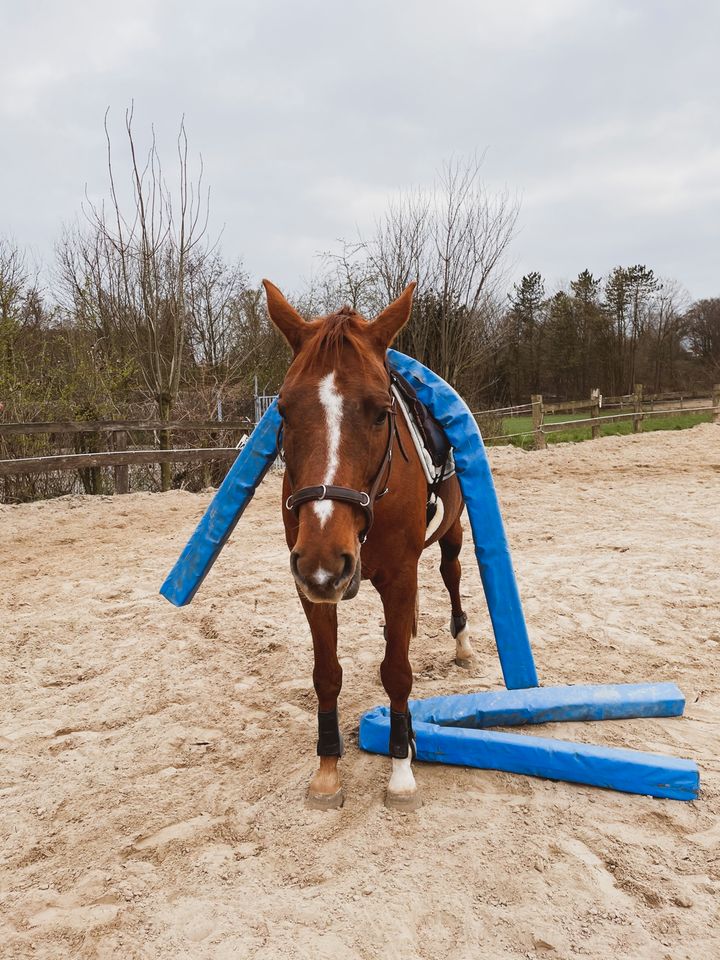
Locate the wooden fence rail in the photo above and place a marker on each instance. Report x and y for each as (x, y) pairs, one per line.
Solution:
(124, 458)
(119, 456)
(569, 406)
(639, 413)
(614, 418)
(115, 426)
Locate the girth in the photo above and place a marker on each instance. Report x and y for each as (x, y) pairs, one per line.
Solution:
(357, 498)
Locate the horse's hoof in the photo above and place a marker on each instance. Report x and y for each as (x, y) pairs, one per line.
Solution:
(465, 664)
(325, 801)
(407, 802)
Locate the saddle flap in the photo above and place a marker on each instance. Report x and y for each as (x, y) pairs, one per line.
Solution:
(433, 435)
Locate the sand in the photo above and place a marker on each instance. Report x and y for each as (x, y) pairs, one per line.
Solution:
(154, 760)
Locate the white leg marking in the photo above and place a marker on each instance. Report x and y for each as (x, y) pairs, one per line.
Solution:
(463, 647)
(332, 403)
(402, 780)
(321, 576)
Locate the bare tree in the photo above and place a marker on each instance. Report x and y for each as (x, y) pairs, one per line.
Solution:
(214, 308)
(703, 327)
(230, 336)
(664, 330)
(452, 240)
(22, 317)
(130, 273)
(15, 281)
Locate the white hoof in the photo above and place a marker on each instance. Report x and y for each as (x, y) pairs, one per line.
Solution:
(407, 803)
(402, 791)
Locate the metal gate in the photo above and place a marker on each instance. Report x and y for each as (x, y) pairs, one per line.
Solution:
(261, 404)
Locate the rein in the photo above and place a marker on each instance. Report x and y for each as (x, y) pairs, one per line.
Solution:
(357, 498)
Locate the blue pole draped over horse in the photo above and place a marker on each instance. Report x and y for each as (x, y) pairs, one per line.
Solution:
(444, 737)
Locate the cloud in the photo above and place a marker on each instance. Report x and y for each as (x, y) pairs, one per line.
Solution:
(310, 116)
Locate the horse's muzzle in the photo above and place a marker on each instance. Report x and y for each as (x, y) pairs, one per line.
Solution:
(321, 585)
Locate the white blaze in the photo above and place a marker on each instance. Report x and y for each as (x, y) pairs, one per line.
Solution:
(332, 404)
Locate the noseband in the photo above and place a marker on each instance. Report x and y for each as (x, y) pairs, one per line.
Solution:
(358, 498)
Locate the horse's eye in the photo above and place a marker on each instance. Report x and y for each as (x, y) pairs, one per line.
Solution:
(381, 418)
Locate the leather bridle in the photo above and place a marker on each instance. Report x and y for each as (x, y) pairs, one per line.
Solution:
(358, 498)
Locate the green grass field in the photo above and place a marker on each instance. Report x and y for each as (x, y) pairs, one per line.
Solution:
(673, 421)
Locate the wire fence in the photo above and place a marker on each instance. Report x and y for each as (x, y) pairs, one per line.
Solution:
(509, 436)
(505, 411)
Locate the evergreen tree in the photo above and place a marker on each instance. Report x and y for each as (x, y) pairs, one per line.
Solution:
(593, 332)
(562, 353)
(527, 316)
(628, 292)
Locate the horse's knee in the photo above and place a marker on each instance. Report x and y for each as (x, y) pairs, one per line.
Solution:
(397, 680)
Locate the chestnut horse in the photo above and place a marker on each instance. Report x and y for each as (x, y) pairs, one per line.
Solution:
(354, 506)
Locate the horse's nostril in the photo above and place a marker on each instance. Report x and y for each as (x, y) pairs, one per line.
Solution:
(348, 567)
(294, 564)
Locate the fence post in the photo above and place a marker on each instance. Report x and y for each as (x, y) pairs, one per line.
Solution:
(716, 403)
(537, 421)
(595, 411)
(638, 407)
(121, 472)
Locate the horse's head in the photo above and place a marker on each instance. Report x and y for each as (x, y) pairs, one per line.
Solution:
(336, 407)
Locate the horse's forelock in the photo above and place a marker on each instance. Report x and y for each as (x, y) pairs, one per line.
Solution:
(338, 331)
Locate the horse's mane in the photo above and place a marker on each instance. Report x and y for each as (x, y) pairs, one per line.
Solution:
(338, 331)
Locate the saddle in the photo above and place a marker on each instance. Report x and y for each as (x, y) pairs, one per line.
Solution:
(429, 439)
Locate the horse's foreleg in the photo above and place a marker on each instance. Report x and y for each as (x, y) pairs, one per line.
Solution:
(450, 546)
(325, 792)
(399, 603)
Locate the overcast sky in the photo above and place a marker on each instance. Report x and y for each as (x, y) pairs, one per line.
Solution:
(603, 116)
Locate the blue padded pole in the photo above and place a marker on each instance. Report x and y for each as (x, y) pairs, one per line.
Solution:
(510, 708)
(628, 770)
(226, 508)
(491, 546)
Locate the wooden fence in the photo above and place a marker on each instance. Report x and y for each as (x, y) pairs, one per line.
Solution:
(120, 457)
(641, 408)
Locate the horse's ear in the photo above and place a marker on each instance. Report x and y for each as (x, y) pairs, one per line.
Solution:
(390, 322)
(286, 318)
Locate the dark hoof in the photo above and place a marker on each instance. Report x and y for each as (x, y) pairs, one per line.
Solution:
(407, 802)
(465, 664)
(325, 801)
